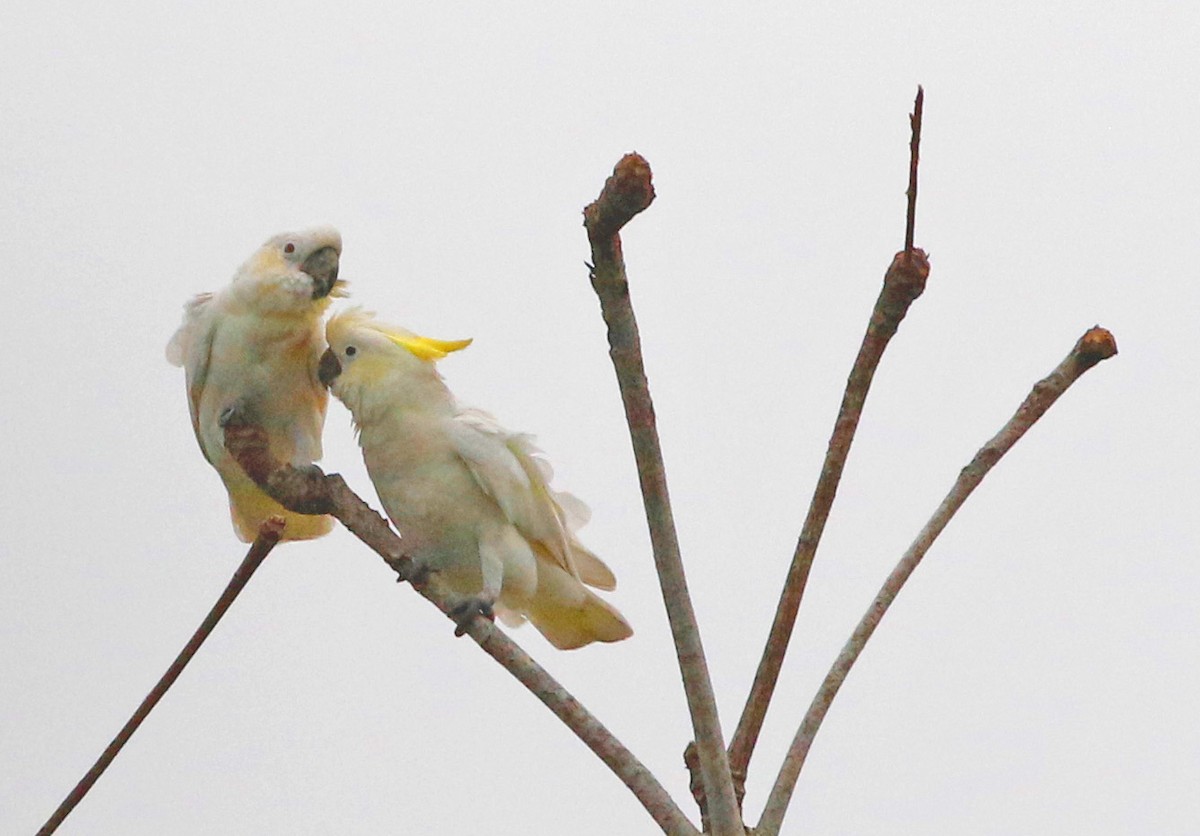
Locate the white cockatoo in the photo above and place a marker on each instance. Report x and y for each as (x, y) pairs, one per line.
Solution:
(251, 350)
(472, 500)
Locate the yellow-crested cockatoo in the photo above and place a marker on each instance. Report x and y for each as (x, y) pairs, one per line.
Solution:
(472, 501)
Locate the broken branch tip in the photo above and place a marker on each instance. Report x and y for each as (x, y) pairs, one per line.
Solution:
(628, 191)
(1095, 345)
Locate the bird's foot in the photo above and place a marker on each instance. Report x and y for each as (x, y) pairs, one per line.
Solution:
(231, 415)
(412, 570)
(464, 612)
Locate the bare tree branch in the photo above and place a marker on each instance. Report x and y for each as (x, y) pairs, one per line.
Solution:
(902, 284)
(268, 536)
(312, 492)
(626, 193)
(1095, 345)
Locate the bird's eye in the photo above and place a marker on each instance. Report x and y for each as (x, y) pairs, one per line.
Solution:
(351, 351)
(289, 247)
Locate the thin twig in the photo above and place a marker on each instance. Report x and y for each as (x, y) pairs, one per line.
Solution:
(310, 491)
(268, 536)
(902, 284)
(626, 193)
(1095, 345)
(914, 158)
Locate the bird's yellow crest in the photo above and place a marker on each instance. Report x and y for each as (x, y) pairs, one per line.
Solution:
(423, 348)
(427, 348)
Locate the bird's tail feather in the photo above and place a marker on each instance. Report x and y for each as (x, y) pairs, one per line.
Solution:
(250, 508)
(569, 615)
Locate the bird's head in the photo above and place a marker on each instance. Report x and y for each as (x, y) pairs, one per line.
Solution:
(293, 272)
(363, 351)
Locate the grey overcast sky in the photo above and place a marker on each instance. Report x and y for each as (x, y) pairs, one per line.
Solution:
(1038, 674)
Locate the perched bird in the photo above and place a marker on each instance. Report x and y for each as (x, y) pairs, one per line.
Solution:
(251, 350)
(472, 500)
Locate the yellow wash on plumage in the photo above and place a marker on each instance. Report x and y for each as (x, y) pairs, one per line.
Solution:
(252, 349)
(472, 500)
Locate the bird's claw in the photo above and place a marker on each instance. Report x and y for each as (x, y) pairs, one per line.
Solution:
(411, 570)
(466, 611)
(229, 415)
(240, 413)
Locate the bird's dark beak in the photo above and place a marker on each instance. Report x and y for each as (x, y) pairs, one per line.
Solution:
(329, 368)
(323, 267)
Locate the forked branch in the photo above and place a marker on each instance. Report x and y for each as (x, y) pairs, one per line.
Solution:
(1095, 345)
(312, 492)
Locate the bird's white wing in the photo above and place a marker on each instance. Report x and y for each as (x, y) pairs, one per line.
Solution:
(510, 469)
(506, 467)
(191, 347)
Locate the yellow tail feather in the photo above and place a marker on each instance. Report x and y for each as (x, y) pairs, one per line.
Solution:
(250, 508)
(593, 620)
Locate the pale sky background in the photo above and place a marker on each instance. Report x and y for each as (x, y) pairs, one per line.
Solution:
(1038, 674)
